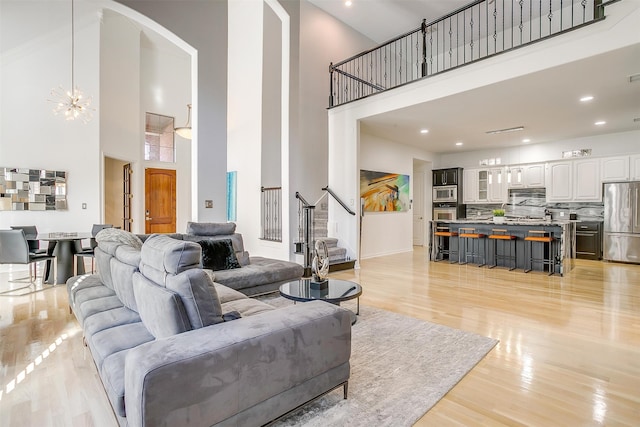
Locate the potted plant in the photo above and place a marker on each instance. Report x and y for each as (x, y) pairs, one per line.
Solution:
(498, 216)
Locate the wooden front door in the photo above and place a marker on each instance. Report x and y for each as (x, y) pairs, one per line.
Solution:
(160, 200)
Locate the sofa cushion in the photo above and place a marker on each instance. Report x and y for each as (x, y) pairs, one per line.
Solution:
(112, 340)
(226, 294)
(174, 264)
(218, 254)
(161, 309)
(123, 266)
(120, 236)
(210, 228)
(97, 305)
(199, 297)
(161, 255)
(261, 271)
(112, 374)
(109, 319)
(77, 283)
(103, 262)
(246, 307)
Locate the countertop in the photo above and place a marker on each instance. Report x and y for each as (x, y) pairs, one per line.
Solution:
(510, 221)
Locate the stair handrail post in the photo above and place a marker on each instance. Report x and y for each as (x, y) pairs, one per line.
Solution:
(331, 84)
(308, 238)
(423, 29)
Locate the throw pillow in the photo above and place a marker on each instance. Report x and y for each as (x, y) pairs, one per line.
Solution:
(218, 255)
(210, 228)
(119, 236)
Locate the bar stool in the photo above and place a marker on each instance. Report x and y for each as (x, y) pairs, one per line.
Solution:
(544, 237)
(498, 234)
(466, 235)
(445, 235)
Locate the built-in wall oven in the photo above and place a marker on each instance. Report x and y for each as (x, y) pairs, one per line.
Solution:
(446, 193)
(445, 211)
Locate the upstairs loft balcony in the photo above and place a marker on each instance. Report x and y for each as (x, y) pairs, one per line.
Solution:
(475, 32)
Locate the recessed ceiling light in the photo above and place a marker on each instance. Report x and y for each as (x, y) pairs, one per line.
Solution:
(600, 123)
(424, 131)
(459, 143)
(348, 3)
(586, 98)
(526, 140)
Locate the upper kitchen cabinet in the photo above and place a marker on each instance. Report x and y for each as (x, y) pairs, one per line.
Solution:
(587, 186)
(485, 185)
(526, 176)
(559, 181)
(450, 176)
(498, 185)
(469, 185)
(634, 161)
(614, 169)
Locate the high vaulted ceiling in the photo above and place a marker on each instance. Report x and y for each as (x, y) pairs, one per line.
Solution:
(546, 103)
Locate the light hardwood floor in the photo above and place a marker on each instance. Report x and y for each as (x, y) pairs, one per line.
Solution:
(569, 351)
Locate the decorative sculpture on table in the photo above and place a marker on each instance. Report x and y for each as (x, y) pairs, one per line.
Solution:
(320, 264)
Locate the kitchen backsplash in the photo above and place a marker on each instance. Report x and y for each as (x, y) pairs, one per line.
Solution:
(531, 202)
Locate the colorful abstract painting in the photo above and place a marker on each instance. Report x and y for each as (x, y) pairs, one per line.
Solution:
(384, 192)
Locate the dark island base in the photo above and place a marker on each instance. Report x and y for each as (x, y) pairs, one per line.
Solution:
(561, 233)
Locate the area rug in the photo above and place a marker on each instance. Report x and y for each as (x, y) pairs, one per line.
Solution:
(400, 368)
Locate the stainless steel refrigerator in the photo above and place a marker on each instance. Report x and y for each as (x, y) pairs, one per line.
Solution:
(622, 221)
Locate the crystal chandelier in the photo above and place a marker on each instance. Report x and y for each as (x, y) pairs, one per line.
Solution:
(72, 103)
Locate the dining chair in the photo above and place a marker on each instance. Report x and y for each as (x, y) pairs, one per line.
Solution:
(14, 249)
(31, 233)
(89, 251)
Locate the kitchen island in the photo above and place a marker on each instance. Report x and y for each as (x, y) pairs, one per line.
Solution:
(563, 233)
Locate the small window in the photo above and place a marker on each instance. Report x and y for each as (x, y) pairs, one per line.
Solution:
(158, 138)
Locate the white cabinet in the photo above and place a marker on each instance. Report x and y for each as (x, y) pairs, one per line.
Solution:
(497, 185)
(469, 185)
(614, 169)
(559, 181)
(634, 162)
(534, 175)
(526, 176)
(587, 186)
(484, 185)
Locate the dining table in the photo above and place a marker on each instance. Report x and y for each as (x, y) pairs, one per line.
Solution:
(64, 246)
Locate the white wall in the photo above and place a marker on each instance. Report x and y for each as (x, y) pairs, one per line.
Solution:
(613, 33)
(203, 26)
(385, 233)
(35, 58)
(165, 88)
(601, 145)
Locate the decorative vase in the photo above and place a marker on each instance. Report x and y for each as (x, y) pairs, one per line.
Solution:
(320, 263)
(498, 220)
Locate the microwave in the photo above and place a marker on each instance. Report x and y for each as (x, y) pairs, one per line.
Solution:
(445, 213)
(447, 193)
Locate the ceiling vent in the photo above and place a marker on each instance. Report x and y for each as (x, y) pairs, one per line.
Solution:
(514, 129)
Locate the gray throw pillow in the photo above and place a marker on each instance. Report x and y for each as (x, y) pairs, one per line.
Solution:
(119, 236)
(210, 228)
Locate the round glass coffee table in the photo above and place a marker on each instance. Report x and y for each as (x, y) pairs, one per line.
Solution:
(335, 292)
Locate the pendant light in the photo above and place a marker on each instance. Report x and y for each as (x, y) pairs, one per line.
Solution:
(185, 131)
(72, 103)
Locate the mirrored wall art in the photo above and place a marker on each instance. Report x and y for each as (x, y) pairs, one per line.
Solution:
(24, 189)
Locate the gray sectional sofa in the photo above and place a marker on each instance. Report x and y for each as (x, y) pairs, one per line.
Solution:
(257, 275)
(172, 347)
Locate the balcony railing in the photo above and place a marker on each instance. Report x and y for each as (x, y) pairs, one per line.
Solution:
(477, 31)
(271, 214)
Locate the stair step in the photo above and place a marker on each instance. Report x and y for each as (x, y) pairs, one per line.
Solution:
(340, 265)
(331, 242)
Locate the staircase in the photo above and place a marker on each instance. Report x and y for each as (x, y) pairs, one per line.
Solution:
(337, 255)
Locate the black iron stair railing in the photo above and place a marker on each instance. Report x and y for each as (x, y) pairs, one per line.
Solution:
(474, 32)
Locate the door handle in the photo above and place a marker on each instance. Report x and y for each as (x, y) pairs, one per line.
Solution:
(148, 219)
